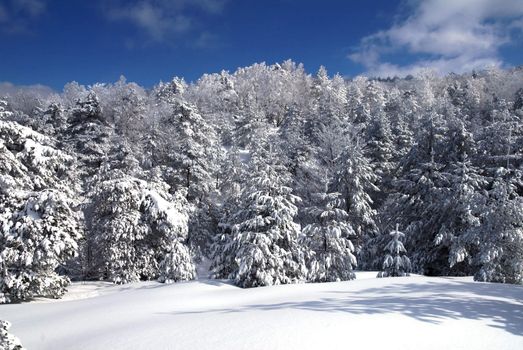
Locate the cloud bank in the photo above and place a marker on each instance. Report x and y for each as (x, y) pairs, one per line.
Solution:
(444, 36)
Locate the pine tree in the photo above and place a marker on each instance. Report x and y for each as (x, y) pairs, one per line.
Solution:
(355, 180)
(328, 239)
(193, 156)
(420, 192)
(232, 174)
(500, 235)
(380, 151)
(87, 136)
(4, 111)
(465, 194)
(396, 263)
(7, 340)
(38, 229)
(264, 234)
(141, 232)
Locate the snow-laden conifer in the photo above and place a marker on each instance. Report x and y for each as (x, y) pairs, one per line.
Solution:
(264, 233)
(328, 240)
(38, 228)
(7, 340)
(396, 263)
(500, 235)
(140, 232)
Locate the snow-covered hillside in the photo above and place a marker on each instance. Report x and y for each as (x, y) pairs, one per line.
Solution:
(388, 313)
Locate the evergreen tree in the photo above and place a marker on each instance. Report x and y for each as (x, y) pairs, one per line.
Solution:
(465, 187)
(500, 235)
(140, 232)
(194, 156)
(264, 234)
(420, 192)
(355, 180)
(380, 151)
(396, 263)
(38, 229)
(328, 239)
(5, 113)
(7, 340)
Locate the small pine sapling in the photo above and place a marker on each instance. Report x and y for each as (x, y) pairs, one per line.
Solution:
(396, 263)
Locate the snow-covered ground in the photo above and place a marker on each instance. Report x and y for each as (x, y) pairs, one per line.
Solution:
(391, 313)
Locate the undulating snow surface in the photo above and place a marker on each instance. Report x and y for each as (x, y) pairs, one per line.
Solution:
(388, 313)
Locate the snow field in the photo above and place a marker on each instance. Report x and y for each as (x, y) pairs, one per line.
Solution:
(414, 312)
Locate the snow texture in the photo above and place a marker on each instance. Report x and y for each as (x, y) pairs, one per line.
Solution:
(429, 313)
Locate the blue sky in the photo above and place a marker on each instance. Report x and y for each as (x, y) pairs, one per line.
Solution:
(52, 42)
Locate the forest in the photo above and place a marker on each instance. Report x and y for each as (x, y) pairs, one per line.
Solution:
(272, 174)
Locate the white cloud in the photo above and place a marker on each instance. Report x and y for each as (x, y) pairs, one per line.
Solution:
(163, 19)
(16, 16)
(8, 88)
(157, 22)
(451, 35)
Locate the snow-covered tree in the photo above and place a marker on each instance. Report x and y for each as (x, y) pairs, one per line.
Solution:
(328, 240)
(38, 229)
(140, 232)
(87, 138)
(354, 180)
(193, 156)
(500, 235)
(264, 235)
(172, 91)
(380, 151)
(462, 203)
(7, 340)
(396, 263)
(4, 111)
(330, 99)
(35, 241)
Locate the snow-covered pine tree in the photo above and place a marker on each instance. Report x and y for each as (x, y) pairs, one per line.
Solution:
(500, 235)
(355, 180)
(141, 231)
(216, 98)
(264, 234)
(380, 151)
(420, 191)
(4, 111)
(223, 248)
(87, 136)
(38, 229)
(170, 236)
(194, 151)
(170, 92)
(330, 100)
(465, 185)
(396, 263)
(328, 240)
(194, 156)
(7, 340)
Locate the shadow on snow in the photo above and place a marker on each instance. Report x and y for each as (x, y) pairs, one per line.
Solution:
(501, 306)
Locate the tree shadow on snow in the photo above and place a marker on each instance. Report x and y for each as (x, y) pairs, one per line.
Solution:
(499, 306)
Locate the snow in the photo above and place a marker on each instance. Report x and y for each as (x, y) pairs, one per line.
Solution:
(245, 155)
(414, 312)
(175, 217)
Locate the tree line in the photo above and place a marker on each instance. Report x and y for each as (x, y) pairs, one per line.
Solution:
(273, 174)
